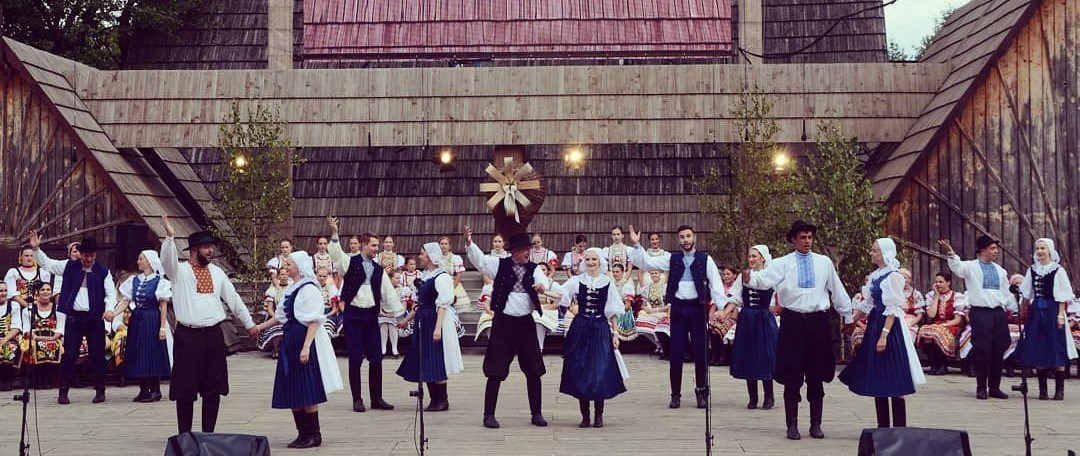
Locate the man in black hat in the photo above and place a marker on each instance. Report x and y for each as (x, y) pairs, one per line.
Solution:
(693, 280)
(88, 296)
(514, 297)
(988, 301)
(199, 350)
(805, 284)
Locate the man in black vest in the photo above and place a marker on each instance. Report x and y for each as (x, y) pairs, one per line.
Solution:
(514, 297)
(692, 279)
(364, 288)
(88, 296)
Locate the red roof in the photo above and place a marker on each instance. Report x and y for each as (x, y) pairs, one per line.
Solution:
(396, 29)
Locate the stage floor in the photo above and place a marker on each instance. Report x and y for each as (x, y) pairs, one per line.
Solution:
(637, 422)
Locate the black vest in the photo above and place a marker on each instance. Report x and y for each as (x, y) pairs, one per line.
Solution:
(504, 284)
(697, 272)
(1043, 286)
(354, 278)
(95, 287)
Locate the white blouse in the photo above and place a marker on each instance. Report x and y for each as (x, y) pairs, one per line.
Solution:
(892, 293)
(163, 292)
(1062, 288)
(308, 306)
(614, 304)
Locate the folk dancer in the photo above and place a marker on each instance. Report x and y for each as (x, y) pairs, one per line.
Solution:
(805, 283)
(753, 358)
(1047, 345)
(199, 365)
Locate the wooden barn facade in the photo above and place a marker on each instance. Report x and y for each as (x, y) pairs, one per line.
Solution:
(371, 89)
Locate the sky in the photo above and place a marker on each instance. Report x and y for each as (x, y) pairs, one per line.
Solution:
(908, 21)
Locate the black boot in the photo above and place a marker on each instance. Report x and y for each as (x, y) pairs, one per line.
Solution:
(535, 393)
(356, 386)
(155, 389)
(598, 419)
(210, 405)
(301, 428)
(702, 395)
(583, 405)
(881, 409)
(491, 398)
(439, 401)
(99, 396)
(312, 436)
(144, 392)
(1044, 375)
(767, 385)
(375, 387)
(751, 389)
(816, 412)
(791, 416)
(676, 401)
(899, 412)
(1059, 385)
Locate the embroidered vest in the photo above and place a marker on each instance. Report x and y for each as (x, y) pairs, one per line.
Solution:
(697, 272)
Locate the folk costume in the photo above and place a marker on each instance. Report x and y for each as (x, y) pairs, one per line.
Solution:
(366, 289)
(693, 279)
(889, 375)
(806, 284)
(988, 302)
(11, 334)
(86, 294)
(45, 338)
(939, 336)
(199, 365)
(513, 300)
(300, 385)
(591, 370)
(1047, 344)
(146, 351)
(431, 361)
(25, 284)
(753, 357)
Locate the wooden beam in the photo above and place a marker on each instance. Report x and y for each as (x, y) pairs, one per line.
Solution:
(28, 222)
(87, 230)
(967, 218)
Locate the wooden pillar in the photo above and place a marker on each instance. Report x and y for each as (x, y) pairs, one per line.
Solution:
(750, 28)
(279, 41)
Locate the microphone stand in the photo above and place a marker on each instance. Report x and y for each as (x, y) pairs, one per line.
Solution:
(1022, 388)
(708, 390)
(419, 392)
(24, 445)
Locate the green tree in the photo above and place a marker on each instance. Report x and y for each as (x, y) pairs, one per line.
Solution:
(897, 53)
(254, 196)
(93, 32)
(750, 201)
(939, 23)
(839, 199)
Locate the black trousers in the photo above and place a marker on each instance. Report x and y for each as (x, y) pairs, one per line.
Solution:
(77, 325)
(199, 366)
(989, 340)
(513, 337)
(688, 321)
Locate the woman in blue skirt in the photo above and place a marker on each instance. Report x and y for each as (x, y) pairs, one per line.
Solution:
(885, 365)
(426, 361)
(307, 369)
(754, 357)
(146, 353)
(591, 370)
(1046, 344)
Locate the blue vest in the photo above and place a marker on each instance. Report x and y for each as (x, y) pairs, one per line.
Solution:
(95, 287)
(354, 278)
(697, 272)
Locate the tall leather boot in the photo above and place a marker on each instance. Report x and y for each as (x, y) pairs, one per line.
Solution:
(816, 412)
(598, 419)
(751, 389)
(583, 405)
(1059, 385)
(356, 387)
(1044, 375)
(791, 416)
(770, 400)
(313, 434)
(301, 428)
(375, 379)
(881, 408)
(899, 412)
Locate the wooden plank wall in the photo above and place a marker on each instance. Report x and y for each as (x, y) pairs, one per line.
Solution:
(792, 25)
(1009, 164)
(45, 182)
(519, 105)
(401, 191)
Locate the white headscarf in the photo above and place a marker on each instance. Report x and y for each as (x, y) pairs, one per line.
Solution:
(888, 252)
(764, 251)
(306, 266)
(434, 253)
(599, 254)
(1043, 269)
(154, 260)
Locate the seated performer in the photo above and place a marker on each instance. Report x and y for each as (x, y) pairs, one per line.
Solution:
(45, 331)
(11, 327)
(938, 337)
(270, 338)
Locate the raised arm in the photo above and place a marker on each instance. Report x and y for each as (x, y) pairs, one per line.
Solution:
(337, 254)
(637, 255)
(768, 277)
(487, 265)
(43, 260)
(170, 260)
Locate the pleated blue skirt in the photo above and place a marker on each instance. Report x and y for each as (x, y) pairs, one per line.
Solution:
(886, 374)
(754, 354)
(433, 360)
(589, 368)
(1044, 343)
(297, 385)
(146, 355)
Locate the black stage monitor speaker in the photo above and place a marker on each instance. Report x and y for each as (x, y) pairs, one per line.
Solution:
(908, 441)
(201, 444)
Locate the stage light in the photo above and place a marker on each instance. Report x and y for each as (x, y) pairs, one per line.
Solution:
(781, 161)
(574, 157)
(239, 162)
(445, 159)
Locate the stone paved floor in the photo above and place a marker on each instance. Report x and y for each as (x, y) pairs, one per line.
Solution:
(637, 422)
